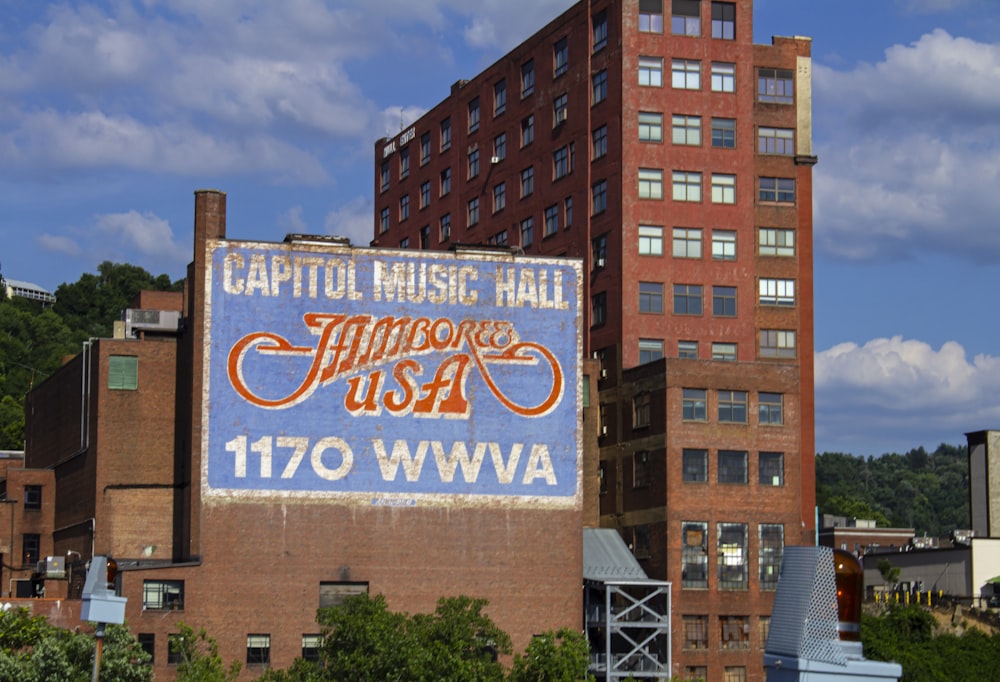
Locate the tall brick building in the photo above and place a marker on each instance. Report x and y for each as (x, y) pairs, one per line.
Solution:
(655, 141)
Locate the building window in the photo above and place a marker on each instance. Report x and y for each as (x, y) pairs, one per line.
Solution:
(310, 647)
(770, 408)
(695, 633)
(696, 673)
(734, 633)
(723, 245)
(772, 547)
(425, 237)
(599, 89)
(123, 373)
(474, 115)
(724, 351)
(695, 464)
(527, 231)
(499, 97)
(650, 350)
(685, 74)
(527, 181)
(724, 133)
(472, 214)
(258, 649)
(733, 466)
(650, 297)
(777, 292)
(651, 72)
(723, 301)
(560, 109)
(602, 475)
(30, 548)
(685, 17)
(723, 189)
(384, 183)
(724, 20)
(404, 207)
(640, 411)
(32, 497)
(599, 250)
(445, 134)
(650, 127)
(779, 190)
(776, 241)
(147, 642)
(694, 404)
(650, 183)
(650, 240)
(499, 197)
(425, 194)
(764, 625)
(425, 148)
(600, 146)
(560, 163)
(163, 595)
(723, 77)
(404, 163)
(335, 593)
(560, 57)
(651, 16)
(175, 649)
(568, 210)
(687, 186)
(775, 85)
(771, 469)
(733, 407)
(527, 78)
(777, 343)
(598, 309)
(732, 556)
(600, 26)
(776, 141)
(551, 220)
(687, 242)
(687, 350)
(640, 542)
(599, 197)
(694, 555)
(499, 148)
(474, 163)
(404, 243)
(498, 239)
(445, 181)
(686, 129)
(687, 299)
(527, 130)
(640, 469)
(383, 224)
(445, 227)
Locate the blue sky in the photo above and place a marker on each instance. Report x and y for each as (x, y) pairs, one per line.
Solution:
(113, 113)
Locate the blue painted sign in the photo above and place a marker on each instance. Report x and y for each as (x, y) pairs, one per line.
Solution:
(392, 378)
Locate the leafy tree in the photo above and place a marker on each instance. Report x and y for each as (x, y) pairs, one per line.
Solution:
(199, 659)
(561, 656)
(889, 573)
(32, 650)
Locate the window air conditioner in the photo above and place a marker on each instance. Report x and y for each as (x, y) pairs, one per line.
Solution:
(604, 374)
(495, 160)
(604, 430)
(561, 116)
(600, 262)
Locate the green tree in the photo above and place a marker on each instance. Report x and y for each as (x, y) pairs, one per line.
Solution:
(889, 573)
(561, 656)
(32, 650)
(199, 659)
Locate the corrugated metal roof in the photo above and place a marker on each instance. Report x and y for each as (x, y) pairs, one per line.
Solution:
(28, 286)
(607, 557)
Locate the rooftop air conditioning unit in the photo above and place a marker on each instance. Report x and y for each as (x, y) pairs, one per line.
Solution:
(151, 320)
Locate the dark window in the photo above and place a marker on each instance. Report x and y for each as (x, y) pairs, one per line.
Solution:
(445, 134)
(770, 408)
(694, 555)
(147, 642)
(472, 215)
(384, 183)
(599, 197)
(687, 299)
(640, 410)
(425, 194)
(732, 466)
(651, 16)
(732, 556)
(780, 190)
(527, 130)
(175, 651)
(598, 308)
(551, 220)
(474, 115)
(32, 497)
(650, 350)
(527, 78)
(445, 181)
(445, 227)
(30, 548)
(650, 297)
(695, 465)
(383, 224)
(771, 469)
(473, 163)
(724, 301)
(724, 133)
(404, 207)
(499, 98)
(724, 20)
(527, 231)
(404, 163)
(425, 237)
(560, 57)
(163, 595)
(685, 17)
(334, 593)
(599, 250)
(560, 109)
(772, 547)
(258, 649)
(425, 148)
(733, 407)
(527, 182)
(775, 85)
(640, 469)
(600, 24)
(310, 647)
(600, 86)
(694, 404)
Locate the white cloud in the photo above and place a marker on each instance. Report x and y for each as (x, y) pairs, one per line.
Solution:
(55, 243)
(911, 156)
(353, 219)
(142, 233)
(291, 221)
(903, 389)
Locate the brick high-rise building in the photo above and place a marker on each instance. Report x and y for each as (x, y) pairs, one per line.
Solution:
(655, 141)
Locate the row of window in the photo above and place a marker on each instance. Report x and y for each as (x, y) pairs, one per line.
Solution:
(685, 18)
(773, 343)
(732, 407)
(733, 632)
(731, 468)
(686, 130)
(258, 647)
(688, 299)
(687, 186)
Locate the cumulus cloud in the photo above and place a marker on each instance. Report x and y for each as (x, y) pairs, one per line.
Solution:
(54, 243)
(893, 388)
(912, 156)
(142, 233)
(353, 219)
